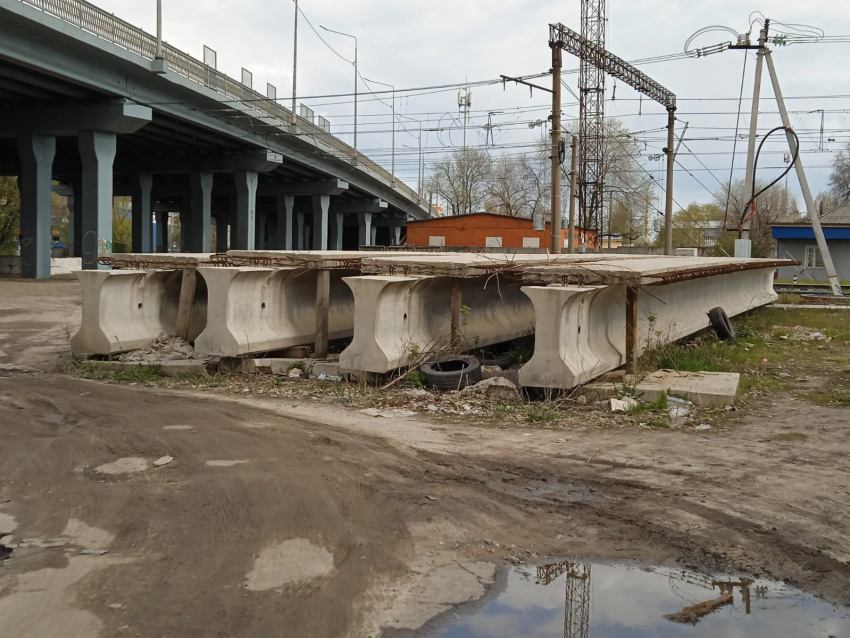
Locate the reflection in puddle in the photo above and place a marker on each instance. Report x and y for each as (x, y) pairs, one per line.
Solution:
(584, 600)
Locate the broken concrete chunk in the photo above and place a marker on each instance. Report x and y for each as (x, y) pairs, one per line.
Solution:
(702, 388)
(163, 460)
(623, 405)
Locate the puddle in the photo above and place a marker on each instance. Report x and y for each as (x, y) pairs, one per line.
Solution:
(592, 600)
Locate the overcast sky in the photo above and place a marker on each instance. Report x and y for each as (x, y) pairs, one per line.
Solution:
(413, 43)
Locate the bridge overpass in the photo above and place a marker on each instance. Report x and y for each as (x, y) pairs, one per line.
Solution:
(85, 102)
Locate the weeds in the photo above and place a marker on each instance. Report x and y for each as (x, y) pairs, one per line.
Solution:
(98, 371)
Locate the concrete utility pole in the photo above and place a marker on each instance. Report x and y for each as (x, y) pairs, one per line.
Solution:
(610, 207)
(294, 62)
(804, 182)
(556, 150)
(671, 158)
(572, 233)
(751, 143)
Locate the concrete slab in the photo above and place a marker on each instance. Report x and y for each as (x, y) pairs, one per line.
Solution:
(324, 259)
(159, 261)
(639, 270)
(702, 388)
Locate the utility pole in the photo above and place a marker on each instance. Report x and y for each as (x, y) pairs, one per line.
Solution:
(751, 143)
(295, 62)
(572, 234)
(556, 149)
(804, 183)
(393, 107)
(464, 101)
(610, 207)
(671, 158)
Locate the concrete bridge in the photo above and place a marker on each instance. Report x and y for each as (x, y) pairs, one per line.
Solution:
(85, 102)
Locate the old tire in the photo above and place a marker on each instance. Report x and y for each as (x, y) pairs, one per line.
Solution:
(451, 373)
(721, 324)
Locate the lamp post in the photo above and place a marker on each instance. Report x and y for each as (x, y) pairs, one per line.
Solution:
(393, 88)
(295, 63)
(348, 35)
(159, 29)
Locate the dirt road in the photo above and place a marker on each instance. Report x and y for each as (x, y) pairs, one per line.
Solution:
(286, 518)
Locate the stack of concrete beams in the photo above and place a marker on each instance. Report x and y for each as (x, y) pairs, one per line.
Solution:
(590, 313)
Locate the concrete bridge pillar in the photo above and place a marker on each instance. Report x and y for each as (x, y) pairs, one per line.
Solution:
(36, 154)
(299, 231)
(246, 209)
(285, 205)
(221, 231)
(374, 235)
(196, 234)
(161, 239)
(142, 212)
(260, 230)
(320, 221)
(366, 235)
(395, 235)
(97, 151)
(336, 231)
(75, 228)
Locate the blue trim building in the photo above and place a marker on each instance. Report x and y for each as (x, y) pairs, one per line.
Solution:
(797, 241)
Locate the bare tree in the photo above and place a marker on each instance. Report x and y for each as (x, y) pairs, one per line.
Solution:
(839, 181)
(10, 213)
(773, 206)
(462, 179)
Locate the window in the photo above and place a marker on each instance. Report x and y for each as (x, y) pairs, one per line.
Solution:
(437, 240)
(813, 257)
(531, 242)
(493, 242)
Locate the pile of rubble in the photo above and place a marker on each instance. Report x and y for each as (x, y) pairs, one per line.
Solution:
(164, 348)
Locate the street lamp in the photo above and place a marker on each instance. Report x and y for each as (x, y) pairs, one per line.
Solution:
(348, 35)
(393, 88)
(159, 29)
(295, 63)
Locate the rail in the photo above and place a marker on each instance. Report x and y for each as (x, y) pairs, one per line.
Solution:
(105, 25)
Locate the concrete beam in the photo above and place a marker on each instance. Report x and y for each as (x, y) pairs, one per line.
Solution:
(257, 161)
(392, 314)
(363, 206)
(325, 187)
(581, 330)
(116, 117)
(255, 310)
(128, 309)
(36, 154)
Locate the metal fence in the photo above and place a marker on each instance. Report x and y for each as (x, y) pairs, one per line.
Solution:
(105, 25)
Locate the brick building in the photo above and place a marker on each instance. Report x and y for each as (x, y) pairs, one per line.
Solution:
(486, 230)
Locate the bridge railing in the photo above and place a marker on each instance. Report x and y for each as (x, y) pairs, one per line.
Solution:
(105, 25)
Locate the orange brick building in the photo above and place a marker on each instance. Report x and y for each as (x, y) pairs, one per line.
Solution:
(486, 230)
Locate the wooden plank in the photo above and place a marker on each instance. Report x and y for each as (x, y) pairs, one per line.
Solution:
(457, 304)
(323, 293)
(187, 297)
(631, 329)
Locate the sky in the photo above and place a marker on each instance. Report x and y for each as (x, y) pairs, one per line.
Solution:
(413, 44)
